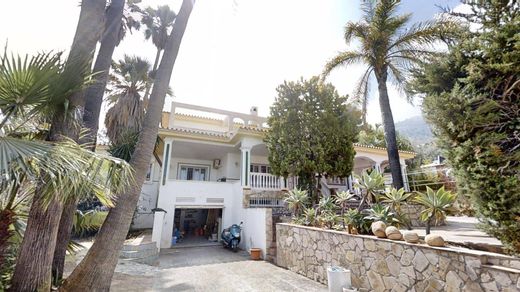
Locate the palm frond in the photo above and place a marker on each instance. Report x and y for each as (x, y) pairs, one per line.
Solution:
(419, 34)
(355, 29)
(362, 91)
(344, 59)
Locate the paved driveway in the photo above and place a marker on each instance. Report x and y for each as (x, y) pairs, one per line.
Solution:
(213, 269)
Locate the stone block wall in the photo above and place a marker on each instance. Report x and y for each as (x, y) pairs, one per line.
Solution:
(385, 265)
(414, 211)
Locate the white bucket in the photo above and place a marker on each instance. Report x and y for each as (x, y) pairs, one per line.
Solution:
(338, 278)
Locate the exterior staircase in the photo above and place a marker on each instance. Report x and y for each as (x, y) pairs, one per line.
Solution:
(141, 250)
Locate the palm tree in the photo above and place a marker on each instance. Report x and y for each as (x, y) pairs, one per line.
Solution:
(42, 175)
(436, 203)
(296, 201)
(94, 93)
(115, 27)
(158, 23)
(95, 271)
(388, 50)
(126, 115)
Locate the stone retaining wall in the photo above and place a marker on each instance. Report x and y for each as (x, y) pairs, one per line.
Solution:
(413, 211)
(385, 265)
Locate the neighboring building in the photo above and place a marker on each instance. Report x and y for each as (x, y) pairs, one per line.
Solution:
(212, 169)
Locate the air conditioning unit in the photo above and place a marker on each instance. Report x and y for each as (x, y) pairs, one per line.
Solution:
(217, 163)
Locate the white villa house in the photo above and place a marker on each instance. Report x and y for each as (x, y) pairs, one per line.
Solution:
(211, 171)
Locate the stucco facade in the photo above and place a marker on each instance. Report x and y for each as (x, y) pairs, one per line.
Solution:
(207, 158)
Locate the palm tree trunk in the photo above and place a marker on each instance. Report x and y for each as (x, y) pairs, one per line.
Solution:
(93, 100)
(95, 272)
(149, 85)
(34, 262)
(389, 127)
(94, 93)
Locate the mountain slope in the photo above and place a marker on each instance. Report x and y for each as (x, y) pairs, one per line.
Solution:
(416, 129)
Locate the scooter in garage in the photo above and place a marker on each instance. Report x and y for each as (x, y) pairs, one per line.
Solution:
(231, 236)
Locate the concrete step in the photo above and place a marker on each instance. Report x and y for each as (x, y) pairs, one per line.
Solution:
(128, 254)
(150, 260)
(142, 246)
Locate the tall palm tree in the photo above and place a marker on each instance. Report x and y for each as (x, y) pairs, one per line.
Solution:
(130, 78)
(48, 173)
(40, 236)
(119, 21)
(389, 50)
(95, 271)
(113, 32)
(158, 23)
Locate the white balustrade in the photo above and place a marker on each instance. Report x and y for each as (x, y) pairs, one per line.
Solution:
(265, 181)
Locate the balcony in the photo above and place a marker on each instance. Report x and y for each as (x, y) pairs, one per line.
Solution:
(270, 182)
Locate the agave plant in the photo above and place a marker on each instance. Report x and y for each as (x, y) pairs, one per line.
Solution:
(328, 219)
(311, 216)
(379, 212)
(436, 204)
(342, 198)
(395, 199)
(355, 219)
(370, 184)
(296, 201)
(326, 204)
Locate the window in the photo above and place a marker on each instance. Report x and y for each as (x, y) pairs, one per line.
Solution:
(193, 172)
(260, 168)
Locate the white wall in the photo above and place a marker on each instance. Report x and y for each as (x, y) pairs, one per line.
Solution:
(194, 194)
(253, 228)
(143, 218)
(175, 161)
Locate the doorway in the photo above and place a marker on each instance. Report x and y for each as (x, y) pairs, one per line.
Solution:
(196, 227)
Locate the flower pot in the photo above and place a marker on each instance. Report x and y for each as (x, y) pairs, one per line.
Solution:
(256, 254)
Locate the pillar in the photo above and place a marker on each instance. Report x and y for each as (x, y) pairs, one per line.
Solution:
(246, 166)
(158, 219)
(166, 161)
(406, 184)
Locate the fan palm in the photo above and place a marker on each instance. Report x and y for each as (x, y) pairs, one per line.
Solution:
(388, 50)
(158, 23)
(296, 201)
(32, 91)
(95, 271)
(127, 112)
(436, 204)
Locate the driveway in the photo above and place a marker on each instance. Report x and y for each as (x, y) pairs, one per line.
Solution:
(211, 269)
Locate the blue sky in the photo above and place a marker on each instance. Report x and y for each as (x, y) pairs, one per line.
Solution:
(235, 52)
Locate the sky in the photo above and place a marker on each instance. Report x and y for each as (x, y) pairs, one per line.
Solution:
(235, 52)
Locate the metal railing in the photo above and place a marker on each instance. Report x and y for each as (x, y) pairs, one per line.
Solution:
(266, 203)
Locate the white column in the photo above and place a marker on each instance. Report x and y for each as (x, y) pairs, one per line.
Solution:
(166, 162)
(405, 177)
(245, 166)
(158, 219)
(172, 115)
(377, 167)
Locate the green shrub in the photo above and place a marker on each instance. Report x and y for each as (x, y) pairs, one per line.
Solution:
(472, 98)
